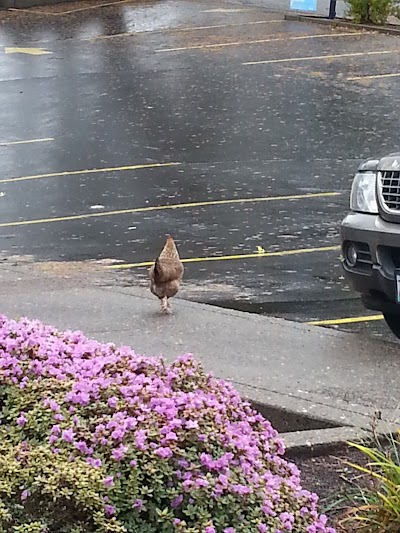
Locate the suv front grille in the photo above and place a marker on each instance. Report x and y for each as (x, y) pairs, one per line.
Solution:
(364, 253)
(390, 189)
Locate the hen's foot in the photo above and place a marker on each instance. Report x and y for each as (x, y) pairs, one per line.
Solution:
(165, 306)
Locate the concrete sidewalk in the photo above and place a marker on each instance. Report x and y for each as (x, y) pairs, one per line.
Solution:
(284, 5)
(342, 8)
(331, 375)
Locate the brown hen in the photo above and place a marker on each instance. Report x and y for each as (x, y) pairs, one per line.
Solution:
(166, 274)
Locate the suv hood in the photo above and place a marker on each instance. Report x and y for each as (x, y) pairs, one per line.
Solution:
(388, 162)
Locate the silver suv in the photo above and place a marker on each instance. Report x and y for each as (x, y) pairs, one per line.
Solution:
(370, 236)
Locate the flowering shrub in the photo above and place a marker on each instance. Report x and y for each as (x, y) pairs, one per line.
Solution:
(94, 438)
(373, 11)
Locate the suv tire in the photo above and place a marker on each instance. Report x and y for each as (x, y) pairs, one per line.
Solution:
(393, 321)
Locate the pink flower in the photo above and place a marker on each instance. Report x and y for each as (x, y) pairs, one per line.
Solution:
(171, 436)
(177, 501)
(164, 452)
(119, 453)
(68, 435)
(22, 420)
(202, 483)
(140, 439)
(109, 510)
(223, 480)
(241, 489)
(112, 402)
(109, 481)
(25, 495)
(54, 406)
(56, 429)
(82, 446)
(96, 463)
(138, 504)
(118, 434)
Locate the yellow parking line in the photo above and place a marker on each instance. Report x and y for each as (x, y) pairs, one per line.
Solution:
(88, 171)
(312, 58)
(10, 143)
(374, 77)
(27, 51)
(165, 207)
(257, 41)
(282, 253)
(350, 320)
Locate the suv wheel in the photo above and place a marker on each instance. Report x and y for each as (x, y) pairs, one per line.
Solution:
(393, 321)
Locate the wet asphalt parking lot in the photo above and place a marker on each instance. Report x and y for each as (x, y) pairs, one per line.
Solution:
(225, 125)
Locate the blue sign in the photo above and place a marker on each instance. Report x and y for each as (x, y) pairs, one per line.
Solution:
(304, 5)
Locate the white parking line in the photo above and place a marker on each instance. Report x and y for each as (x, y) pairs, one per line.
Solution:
(313, 58)
(29, 141)
(257, 41)
(375, 76)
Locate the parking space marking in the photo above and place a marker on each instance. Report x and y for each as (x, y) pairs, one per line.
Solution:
(282, 253)
(177, 30)
(11, 143)
(27, 51)
(314, 58)
(230, 10)
(350, 320)
(375, 76)
(257, 41)
(60, 13)
(165, 207)
(232, 24)
(88, 171)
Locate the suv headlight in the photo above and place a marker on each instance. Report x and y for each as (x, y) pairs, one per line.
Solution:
(363, 193)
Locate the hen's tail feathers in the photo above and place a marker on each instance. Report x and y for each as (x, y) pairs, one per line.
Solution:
(169, 251)
(168, 266)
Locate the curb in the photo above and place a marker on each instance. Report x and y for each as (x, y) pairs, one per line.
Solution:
(320, 442)
(389, 29)
(308, 433)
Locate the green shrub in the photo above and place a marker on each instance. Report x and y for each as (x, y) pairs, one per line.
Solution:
(372, 11)
(42, 491)
(96, 439)
(378, 502)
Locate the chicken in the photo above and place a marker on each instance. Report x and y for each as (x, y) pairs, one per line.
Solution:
(166, 274)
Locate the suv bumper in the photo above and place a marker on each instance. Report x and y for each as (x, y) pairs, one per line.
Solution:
(378, 244)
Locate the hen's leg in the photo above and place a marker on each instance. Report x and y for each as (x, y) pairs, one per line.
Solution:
(164, 305)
